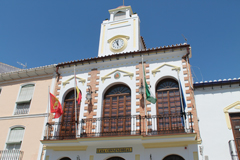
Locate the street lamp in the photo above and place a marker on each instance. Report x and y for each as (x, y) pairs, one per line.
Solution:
(141, 88)
(89, 94)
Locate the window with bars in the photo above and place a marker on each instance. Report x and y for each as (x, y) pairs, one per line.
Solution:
(24, 99)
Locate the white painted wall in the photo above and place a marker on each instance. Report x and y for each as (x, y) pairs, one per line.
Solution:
(212, 123)
(157, 153)
(110, 28)
(129, 65)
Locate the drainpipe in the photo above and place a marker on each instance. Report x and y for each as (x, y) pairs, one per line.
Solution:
(58, 74)
(187, 57)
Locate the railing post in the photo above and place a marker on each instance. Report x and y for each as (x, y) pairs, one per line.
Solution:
(191, 122)
(140, 124)
(47, 129)
(76, 127)
(81, 128)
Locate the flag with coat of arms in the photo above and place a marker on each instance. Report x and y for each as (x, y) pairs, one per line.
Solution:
(55, 106)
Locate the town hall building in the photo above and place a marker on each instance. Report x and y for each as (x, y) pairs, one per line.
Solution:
(128, 103)
(113, 120)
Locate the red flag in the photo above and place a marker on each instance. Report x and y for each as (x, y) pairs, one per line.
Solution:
(55, 106)
(79, 95)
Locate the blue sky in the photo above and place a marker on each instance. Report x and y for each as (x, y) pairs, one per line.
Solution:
(44, 32)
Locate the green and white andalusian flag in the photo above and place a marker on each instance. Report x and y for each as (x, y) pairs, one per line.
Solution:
(149, 95)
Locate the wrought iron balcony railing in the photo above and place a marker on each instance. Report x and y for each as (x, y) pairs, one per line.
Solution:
(121, 126)
(22, 109)
(11, 155)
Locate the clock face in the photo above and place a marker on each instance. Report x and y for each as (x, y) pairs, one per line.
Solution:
(117, 44)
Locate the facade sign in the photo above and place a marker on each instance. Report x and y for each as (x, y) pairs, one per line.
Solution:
(114, 150)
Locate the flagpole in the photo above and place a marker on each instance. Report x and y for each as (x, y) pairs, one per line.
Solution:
(75, 101)
(48, 103)
(48, 109)
(144, 96)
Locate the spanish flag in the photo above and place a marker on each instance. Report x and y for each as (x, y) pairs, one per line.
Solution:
(55, 106)
(79, 95)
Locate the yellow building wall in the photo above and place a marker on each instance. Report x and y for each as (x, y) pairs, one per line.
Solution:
(8, 98)
(34, 124)
(10, 91)
(32, 135)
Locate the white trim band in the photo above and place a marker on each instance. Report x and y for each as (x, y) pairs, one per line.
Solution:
(24, 116)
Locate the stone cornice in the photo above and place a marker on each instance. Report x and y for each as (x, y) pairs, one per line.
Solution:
(24, 116)
(27, 73)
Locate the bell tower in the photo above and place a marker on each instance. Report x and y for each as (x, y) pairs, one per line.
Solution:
(121, 33)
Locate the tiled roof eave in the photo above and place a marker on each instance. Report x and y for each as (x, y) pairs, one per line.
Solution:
(144, 44)
(43, 70)
(217, 83)
(124, 54)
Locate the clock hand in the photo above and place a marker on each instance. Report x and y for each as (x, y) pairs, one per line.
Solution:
(117, 42)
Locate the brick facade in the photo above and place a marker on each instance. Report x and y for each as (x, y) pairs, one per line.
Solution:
(92, 82)
(190, 94)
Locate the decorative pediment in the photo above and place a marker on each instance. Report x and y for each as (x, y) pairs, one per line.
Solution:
(79, 80)
(154, 71)
(117, 70)
(226, 110)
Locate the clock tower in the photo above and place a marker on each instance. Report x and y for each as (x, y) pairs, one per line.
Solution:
(121, 33)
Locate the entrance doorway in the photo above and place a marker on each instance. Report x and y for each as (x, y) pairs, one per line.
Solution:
(168, 107)
(235, 122)
(117, 111)
(67, 128)
(65, 158)
(173, 157)
(115, 158)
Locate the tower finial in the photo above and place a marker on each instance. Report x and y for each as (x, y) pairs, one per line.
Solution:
(123, 2)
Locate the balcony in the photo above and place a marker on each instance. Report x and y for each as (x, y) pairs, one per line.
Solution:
(22, 108)
(121, 126)
(11, 155)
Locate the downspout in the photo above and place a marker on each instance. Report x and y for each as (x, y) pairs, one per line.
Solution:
(191, 85)
(58, 74)
(187, 59)
(186, 56)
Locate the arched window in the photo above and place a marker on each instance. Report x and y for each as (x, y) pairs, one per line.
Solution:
(117, 109)
(119, 15)
(13, 144)
(168, 97)
(168, 106)
(67, 130)
(15, 138)
(173, 157)
(115, 158)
